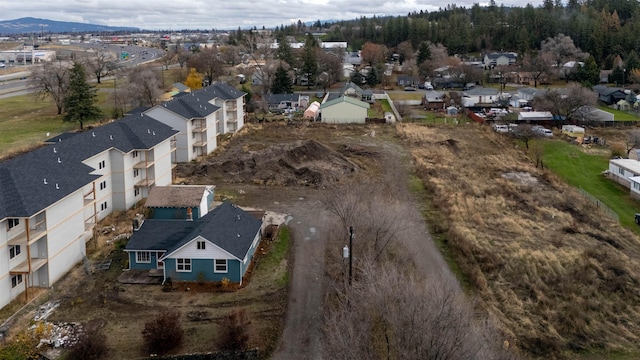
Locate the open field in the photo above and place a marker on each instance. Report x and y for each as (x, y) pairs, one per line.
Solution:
(558, 276)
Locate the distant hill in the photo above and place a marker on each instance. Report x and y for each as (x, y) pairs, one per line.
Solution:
(34, 25)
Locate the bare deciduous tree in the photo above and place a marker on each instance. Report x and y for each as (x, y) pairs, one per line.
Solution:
(388, 314)
(208, 63)
(575, 102)
(143, 88)
(538, 64)
(100, 64)
(51, 80)
(562, 49)
(633, 141)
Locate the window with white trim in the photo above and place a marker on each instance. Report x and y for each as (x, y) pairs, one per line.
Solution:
(201, 245)
(136, 191)
(14, 250)
(220, 266)
(102, 164)
(183, 265)
(143, 257)
(103, 185)
(134, 154)
(136, 173)
(621, 170)
(103, 206)
(16, 280)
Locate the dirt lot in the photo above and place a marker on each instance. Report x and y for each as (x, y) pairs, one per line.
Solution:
(555, 276)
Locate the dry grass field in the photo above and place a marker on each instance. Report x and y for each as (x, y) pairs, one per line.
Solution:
(557, 275)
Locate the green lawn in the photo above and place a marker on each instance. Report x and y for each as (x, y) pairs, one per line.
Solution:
(584, 171)
(25, 122)
(620, 115)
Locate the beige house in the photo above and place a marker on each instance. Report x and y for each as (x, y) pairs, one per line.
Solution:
(344, 110)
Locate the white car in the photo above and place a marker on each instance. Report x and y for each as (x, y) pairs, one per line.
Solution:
(503, 129)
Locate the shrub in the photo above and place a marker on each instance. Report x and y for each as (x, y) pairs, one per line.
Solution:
(91, 346)
(235, 331)
(163, 334)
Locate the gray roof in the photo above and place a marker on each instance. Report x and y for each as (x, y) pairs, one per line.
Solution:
(179, 196)
(529, 90)
(190, 106)
(180, 87)
(221, 91)
(35, 180)
(481, 91)
(275, 99)
(227, 226)
(605, 90)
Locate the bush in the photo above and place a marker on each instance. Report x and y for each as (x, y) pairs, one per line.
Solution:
(163, 334)
(91, 346)
(235, 331)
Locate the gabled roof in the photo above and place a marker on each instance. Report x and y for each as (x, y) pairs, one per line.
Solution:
(529, 90)
(479, 90)
(220, 91)
(605, 90)
(37, 179)
(495, 55)
(178, 196)
(227, 226)
(346, 99)
(275, 99)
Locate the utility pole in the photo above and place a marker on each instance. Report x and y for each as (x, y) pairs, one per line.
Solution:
(350, 253)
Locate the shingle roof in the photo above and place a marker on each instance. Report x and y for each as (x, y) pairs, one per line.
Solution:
(219, 90)
(175, 196)
(37, 179)
(275, 99)
(227, 226)
(481, 91)
(347, 99)
(191, 105)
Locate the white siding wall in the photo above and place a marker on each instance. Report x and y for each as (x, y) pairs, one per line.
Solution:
(343, 113)
(65, 227)
(212, 132)
(183, 138)
(5, 282)
(162, 155)
(190, 251)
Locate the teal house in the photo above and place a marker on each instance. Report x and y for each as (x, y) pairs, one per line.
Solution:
(218, 245)
(176, 201)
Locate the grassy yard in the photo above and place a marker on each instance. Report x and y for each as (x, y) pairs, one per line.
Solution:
(584, 171)
(26, 122)
(620, 115)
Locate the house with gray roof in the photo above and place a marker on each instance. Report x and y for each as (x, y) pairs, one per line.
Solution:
(283, 101)
(219, 245)
(609, 95)
(180, 201)
(200, 116)
(499, 58)
(344, 110)
(52, 198)
(479, 95)
(355, 91)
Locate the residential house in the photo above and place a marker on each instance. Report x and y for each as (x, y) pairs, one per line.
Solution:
(609, 95)
(499, 59)
(355, 91)
(177, 89)
(570, 68)
(220, 245)
(344, 110)
(529, 93)
(627, 173)
(180, 201)
(283, 101)
(478, 96)
(51, 198)
(435, 100)
(406, 80)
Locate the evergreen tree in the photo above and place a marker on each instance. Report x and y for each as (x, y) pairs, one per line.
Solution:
(589, 73)
(309, 59)
(79, 104)
(281, 82)
(424, 53)
(284, 51)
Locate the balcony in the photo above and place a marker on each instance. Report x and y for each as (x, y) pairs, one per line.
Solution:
(232, 106)
(35, 232)
(23, 267)
(144, 183)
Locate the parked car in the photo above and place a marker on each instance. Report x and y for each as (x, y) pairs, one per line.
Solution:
(409, 88)
(502, 129)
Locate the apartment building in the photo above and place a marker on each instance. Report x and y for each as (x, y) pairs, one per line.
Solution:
(52, 198)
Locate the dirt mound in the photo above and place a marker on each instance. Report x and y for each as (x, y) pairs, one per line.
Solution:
(299, 163)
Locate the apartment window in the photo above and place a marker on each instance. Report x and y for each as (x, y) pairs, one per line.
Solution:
(136, 192)
(194, 149)
(14, 250)
(103, 185)
(102, 164)
(134, 154)
(103, 206)
(143, 257)
(183, 265)
(13, 222)
(16, 280)
(201, 245)
(220, 266)
(136, 173)
(621, 171)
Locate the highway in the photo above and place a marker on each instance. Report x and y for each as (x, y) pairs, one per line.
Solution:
(16, 83)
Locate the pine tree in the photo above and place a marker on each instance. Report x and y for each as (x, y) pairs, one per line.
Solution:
(79, 104)
(424, 53)
(281, 82)
(310, 60)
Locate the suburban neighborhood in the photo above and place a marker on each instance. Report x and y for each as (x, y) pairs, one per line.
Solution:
(468, 179)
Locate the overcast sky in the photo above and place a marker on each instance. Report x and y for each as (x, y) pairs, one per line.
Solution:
(216, 14)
